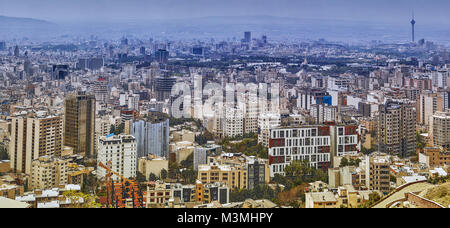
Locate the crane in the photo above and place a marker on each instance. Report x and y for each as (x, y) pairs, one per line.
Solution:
(125, 183)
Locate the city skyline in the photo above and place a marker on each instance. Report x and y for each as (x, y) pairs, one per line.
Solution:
(224, 104)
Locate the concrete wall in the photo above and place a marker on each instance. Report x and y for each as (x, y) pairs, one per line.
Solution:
(421, 202)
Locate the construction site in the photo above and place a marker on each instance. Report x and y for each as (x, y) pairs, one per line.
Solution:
(124, 193)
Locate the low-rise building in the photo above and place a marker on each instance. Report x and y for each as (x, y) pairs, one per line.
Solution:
(48, 172)
(234, 177)
(434, 157)
(320, 200)
(49, 198)
(160, 194)
(201, 154)
(152, 164)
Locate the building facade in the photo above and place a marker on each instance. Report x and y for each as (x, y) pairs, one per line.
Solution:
(32, 136)
(152, 136)
(315, 144)
(79, 128)
(397, 128)
(48, 172)
(120, 153)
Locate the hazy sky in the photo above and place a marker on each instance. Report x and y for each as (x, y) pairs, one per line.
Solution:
(393, 11)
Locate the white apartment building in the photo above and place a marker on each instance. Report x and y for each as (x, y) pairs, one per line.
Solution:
(440, 129)
(315, 144)
(234, 123)
(251, 117)
(266, 121)
(323, 113)
(102, 128)
(120, 152)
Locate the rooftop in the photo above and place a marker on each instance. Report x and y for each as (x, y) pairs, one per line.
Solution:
(322, 196)
(10, 203)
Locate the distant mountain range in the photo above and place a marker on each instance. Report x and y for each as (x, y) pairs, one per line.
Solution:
(16, 27)
(6, 22)
(220, 27)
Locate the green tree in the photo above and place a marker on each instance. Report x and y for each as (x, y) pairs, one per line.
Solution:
(140, 178)
(189, 176)
(188, 163)
(90, 184)
(152, 177)
(174, 170)
(163, 174)
(81, 200)
(344, 162)
(299, 172)
(3, 153)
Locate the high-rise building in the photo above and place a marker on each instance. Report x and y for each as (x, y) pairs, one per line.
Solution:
(79, 128)
(428, 104)
(32, 136)
(124, 41)
(264, 39)
(90, 63)
(152, 135)
(142, 50)
(397, 128)
(60, 72)
(16, 51)
(197, 50)
(95, 63)
(247, 37)
(120, 153)
(266, 121)
(101, 90)
(440, 129)
(162, 56)
(323, 113)
(2, 45)
(309, 97)
(163, 86)
(233, 123)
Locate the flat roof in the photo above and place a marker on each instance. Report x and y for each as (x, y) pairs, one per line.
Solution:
(323, 197)
(10, 203)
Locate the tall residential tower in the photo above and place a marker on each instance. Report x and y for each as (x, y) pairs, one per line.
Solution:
(80, 123)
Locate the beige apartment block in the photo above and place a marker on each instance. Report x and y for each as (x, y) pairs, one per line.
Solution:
(32, 136)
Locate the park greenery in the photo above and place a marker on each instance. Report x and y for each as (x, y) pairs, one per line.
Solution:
(297, 177)
(81, 200)
(179, 121)
(298, 173)
(3, 153)
(203, 138)
(259, 192)
(247, 145)
(183, 172)
(349, 162)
